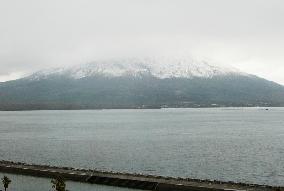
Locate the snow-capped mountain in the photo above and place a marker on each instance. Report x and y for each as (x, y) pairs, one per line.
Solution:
(139, 83)
(160, 68)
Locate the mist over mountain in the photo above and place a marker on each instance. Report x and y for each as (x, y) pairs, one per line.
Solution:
(139, 83)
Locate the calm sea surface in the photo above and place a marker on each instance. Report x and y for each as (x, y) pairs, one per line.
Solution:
(230, 144)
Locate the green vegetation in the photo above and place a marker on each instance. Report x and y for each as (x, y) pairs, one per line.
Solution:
(145, 92)
(6, 181)
(58, 184)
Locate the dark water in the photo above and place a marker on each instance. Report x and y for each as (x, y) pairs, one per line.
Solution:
(231, 144)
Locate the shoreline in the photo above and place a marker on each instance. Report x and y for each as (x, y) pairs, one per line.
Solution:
(128, 180)
(157, 108)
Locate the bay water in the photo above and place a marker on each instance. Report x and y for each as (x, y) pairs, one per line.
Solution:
(228, 144)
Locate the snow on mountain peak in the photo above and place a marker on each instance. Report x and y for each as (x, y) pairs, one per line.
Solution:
(160, 68)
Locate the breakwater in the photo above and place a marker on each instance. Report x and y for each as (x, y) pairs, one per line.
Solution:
(138, 181)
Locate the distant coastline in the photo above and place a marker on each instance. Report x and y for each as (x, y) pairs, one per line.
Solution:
(136, 108)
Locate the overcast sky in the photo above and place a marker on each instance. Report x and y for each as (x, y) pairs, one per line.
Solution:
(247, 34)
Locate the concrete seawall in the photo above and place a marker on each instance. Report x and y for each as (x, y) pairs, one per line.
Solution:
(138, 181)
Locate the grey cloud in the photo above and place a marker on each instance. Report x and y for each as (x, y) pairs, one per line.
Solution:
(37, 34)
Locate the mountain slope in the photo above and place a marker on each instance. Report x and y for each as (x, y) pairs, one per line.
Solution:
(137, 84)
